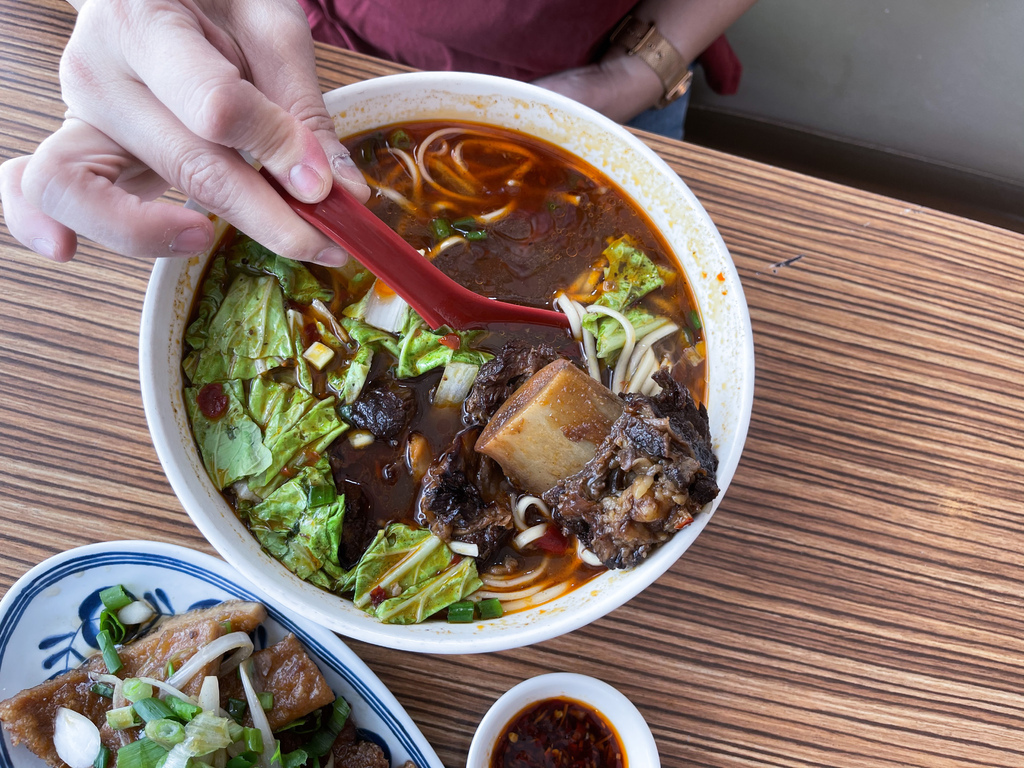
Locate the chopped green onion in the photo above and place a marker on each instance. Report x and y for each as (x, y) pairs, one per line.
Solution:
(441, 228)
(226, 626)
(110, 657)
(294, 759)
(253, 739)
(695, 319)
(266, 700)
(322, 495)
(102, 758)
(244, 760)
(235, 731)
(368, 151)
(121, 718)
(169, 668)
(236, 709)
(490, 608)
(182, 709)
(165, 732)
(688, 336)
(143, 753)
(134, 689)
(399, 139)
(466, 222)
(113, 625)
(103, 689)
(461, 612)
(150, 709)
(115, 598)
(476, 234)
(320, 744)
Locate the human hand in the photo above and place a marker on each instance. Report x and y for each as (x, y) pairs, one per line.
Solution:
(163, 93)
(618, 86)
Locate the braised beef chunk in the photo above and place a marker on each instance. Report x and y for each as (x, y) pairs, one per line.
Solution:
(384, 409)
(466, 497)
(652, 473)
(502, 375)
(350, 751)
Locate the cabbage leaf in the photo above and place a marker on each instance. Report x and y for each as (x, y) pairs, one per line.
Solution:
(304, 535)
(248, 335)
(297, 282)
(428, 597)
(416, 573)
(231, 445)
(295, 425)
(421, 349)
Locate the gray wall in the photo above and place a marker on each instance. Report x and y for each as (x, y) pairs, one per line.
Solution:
(937, 79)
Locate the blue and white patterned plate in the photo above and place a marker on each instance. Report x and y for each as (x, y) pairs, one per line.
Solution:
(48, 623)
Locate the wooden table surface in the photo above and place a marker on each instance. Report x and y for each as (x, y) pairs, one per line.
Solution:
(858, 599)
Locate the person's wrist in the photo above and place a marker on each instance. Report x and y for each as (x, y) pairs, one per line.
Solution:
(637, 86)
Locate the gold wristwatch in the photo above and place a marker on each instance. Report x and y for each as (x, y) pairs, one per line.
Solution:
(646, 43)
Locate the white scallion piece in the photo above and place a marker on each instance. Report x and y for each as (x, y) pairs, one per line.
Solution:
(259, 717)
(318, 354)
(530, 535)
(360, 439)
(209, 694)
(169, 690)
(138, 612)
(619, 376)
(456, 381)
(385, 309)
(464, 548)
(235, 641)
(76, 738)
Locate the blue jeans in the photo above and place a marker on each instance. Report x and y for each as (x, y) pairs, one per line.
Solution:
(667, 121)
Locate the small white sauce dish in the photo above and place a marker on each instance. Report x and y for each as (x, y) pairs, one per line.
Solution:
(618, 711)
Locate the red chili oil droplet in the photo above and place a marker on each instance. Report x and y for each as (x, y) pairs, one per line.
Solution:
(212, 401)
(378, 596)
(451, 340)
(721, 277)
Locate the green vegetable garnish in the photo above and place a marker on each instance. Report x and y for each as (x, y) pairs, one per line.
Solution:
(440, 228)
(182, 709)
(150, 709)
(103, 689)
(123, 717)
(110, 657)
(165, 732)
(144, 753)
(490, 608)
(320, 744)
(266, 700)
(460, 612)
(134, 689)
(237, 709)
(102, 758)
(115, 598)
(253, 739)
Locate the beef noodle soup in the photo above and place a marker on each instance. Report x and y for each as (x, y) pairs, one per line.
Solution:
(426, 471)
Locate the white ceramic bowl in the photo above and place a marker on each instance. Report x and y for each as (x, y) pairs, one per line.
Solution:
(643, 176)
(633, 731)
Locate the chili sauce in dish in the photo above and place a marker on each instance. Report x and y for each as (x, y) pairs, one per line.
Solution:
(558, 733)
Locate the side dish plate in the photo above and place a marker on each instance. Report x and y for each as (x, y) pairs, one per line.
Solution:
(48, 619)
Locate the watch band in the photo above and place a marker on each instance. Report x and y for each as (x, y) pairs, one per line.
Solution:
(646, 43)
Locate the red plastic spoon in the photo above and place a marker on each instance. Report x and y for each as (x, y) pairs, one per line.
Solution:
(438, 299)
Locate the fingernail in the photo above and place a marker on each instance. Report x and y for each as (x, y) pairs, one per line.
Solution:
(44, 246)
(349, 176)
(191, 240)
(332, 257)
(306, 181)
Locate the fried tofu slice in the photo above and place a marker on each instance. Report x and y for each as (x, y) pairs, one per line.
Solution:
(29, 715)
(285, 670)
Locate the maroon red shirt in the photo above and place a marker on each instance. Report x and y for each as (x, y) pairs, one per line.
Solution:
(524, 39)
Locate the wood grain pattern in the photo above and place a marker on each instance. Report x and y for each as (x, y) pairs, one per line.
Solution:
(858, 600)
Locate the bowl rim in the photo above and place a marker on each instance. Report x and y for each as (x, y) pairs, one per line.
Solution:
(243, 553)
(630, 725)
